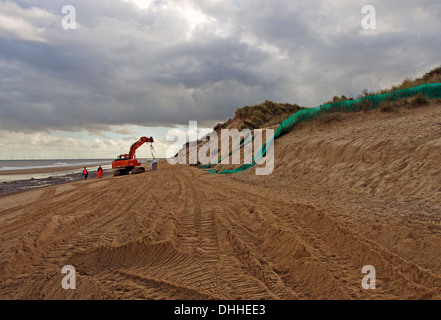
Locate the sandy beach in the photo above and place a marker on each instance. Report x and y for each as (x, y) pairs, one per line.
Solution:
(361, 191)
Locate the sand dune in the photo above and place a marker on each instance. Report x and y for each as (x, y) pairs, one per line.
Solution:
(363, 191)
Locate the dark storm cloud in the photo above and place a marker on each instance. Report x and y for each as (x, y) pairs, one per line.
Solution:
(169, 65)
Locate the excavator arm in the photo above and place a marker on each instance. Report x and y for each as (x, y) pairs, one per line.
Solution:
(137, 144)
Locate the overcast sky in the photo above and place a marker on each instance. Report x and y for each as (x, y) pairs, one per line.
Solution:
(141, 67)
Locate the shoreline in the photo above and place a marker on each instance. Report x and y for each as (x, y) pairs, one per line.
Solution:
(40, 170)
(26, 184)
(23, 185)
(14, 187)
(18, 186)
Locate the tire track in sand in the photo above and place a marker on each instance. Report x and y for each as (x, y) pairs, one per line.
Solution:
(333, 253)
(198, 236)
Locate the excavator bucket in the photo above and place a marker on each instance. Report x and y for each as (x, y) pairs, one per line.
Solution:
(154, 165)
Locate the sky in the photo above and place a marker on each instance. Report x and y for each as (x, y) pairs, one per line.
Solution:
(134, 68)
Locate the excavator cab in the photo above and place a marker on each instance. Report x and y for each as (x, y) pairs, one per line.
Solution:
(122, 157)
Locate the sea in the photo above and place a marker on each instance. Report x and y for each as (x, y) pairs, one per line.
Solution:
(13, 165)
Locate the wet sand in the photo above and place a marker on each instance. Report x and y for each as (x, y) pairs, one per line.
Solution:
(52, 177)
(39, 170)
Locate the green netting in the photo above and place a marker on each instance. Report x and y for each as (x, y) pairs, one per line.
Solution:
(242, 144)
(430, 90)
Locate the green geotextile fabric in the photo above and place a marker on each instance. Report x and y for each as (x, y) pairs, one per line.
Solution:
(430, 90)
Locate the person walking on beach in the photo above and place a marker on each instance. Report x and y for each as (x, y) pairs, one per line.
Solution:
(100, 173)
(85, 173)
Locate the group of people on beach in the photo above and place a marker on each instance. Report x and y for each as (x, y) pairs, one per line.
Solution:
(86, 173)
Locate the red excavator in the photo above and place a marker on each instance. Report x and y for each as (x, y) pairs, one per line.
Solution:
(127, 163)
